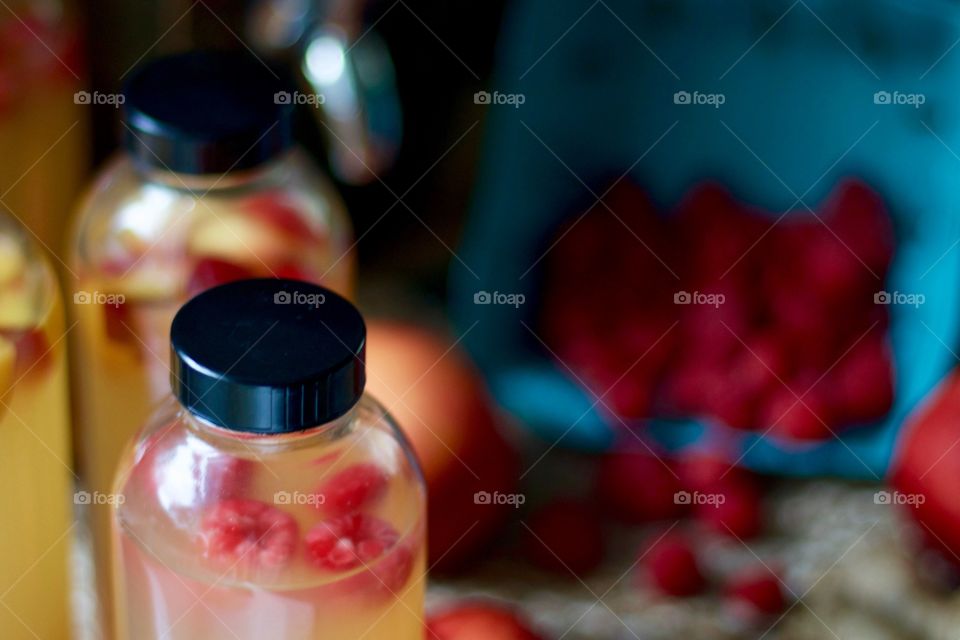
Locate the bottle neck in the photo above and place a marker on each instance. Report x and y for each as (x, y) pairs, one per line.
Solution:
(201, 184)
(311, 437)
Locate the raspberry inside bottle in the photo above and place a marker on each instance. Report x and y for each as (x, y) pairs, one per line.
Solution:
(269, 497)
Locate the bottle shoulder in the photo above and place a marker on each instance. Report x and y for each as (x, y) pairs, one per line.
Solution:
(121, 184)
(154, 230)
(175, 445)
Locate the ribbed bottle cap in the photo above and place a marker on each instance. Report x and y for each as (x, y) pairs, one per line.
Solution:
(268, 356)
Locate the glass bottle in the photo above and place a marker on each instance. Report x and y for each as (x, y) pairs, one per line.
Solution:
(209, 188)
(35, 515)
(271, 497)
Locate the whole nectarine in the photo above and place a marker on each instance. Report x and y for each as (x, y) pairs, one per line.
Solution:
(438, 397)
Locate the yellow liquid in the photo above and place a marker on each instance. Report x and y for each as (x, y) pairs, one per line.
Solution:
(114, 393)
(44, 132)
(54, 131)
(158, 602)
(36, 527)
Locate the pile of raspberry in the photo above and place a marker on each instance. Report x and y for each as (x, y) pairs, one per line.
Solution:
(754, 319)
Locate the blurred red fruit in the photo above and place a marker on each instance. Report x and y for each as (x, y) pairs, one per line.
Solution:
(727, 400)
(647, 339)
(641, 235)
(249, 531)
(120, 323)
(699, 389)
(760, 365)
(925, 466)
(291, 271)
(719, 233)
(585, 353)
(804, 326)
(276, 210)
(210, 272)
(861, 385)
(791, 415)
(858, 216)
(672, 567)
(636, 487)
(630, 397)
(702, 471)
(837, 272)
(564, 537)
(439, 400)
(34, 351)
(831, 270)
(710, 333)
(787, 298)
(478, 621)
(581, 244)
(756, 592)
(681, 392)
(733, 507)
(350, 541)
(351, 489)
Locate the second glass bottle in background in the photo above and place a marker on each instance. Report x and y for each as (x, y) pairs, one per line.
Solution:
(208, 189)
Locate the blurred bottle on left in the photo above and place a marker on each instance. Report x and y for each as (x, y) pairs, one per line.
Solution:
(35, 473)
(43, 115)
